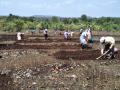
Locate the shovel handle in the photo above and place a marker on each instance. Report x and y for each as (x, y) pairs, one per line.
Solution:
(103, 54)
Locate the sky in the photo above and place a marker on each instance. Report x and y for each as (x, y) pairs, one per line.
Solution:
(63, 8)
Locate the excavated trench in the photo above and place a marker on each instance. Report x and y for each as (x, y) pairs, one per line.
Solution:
(77, 55)
(39, 46)
(64, 52)
(40, 39)
(80, 55)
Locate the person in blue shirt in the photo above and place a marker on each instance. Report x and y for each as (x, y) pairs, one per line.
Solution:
(84, 39)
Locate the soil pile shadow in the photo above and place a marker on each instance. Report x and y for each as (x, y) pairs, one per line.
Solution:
(77, 55)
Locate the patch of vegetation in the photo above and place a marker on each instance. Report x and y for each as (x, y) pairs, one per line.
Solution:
(13, 23)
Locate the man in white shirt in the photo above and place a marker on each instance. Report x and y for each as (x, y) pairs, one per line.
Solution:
(45, 34)
(66, 35)
(71, 34)
(108, 46)
(19, 35)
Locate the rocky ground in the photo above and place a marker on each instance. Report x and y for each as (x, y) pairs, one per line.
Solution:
(56, 66)
(34, 70)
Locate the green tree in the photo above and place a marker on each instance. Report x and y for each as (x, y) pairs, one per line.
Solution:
(84, 18)
(10, 27)
(66, 21)
(75, 20)
(55, 19)
(44, 25)
(19, 24)
(2, 24)
(61, 26)
(39, 26)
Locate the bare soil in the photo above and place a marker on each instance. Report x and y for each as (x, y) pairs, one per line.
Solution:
(55, 64)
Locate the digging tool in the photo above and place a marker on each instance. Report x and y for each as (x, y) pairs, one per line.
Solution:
(102, 54)
(99, 56)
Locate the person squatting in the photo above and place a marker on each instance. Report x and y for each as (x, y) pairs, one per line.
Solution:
(86, 38)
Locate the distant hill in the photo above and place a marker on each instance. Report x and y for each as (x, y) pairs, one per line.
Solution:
(42, 17)
(49, 17)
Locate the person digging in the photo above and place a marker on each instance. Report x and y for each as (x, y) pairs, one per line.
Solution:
(108, 49)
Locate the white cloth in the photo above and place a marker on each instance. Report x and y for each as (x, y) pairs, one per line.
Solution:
(18, 36)
(83, 38)
(89, 34)
(66, 34)
(45, 31)
(110, 40)
(71, 34)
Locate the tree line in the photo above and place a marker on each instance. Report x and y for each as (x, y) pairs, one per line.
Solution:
(13, 23)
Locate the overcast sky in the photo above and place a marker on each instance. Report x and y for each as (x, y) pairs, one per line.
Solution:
(64, 8)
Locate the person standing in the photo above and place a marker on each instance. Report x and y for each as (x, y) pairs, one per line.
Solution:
(19, 36)
(90, 37)
(46, 34)
(66, 35)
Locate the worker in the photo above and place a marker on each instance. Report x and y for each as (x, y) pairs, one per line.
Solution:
(33, 31)
(66, 35)
(81, 30)
(45, 34)
(71, 34)
(108, 47)
(19, 35)
(90, 37)
(84, 39)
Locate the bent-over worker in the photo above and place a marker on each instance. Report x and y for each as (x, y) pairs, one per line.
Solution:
(108, 46)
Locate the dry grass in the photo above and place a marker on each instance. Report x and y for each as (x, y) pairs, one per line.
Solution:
(66, 75)
(26, 61)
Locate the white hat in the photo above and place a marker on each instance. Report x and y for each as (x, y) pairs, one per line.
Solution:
(102, 39)
(45, 29)
(81, 30)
